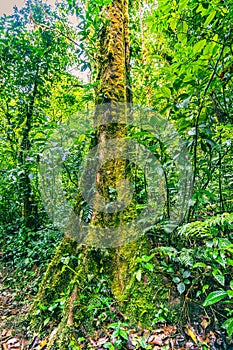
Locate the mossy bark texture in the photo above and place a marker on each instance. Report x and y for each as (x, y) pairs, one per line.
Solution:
(114, 55)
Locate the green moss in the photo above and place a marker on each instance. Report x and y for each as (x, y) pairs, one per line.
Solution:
(56, 278)
(140, 300)
(113, 58)
(59, 282)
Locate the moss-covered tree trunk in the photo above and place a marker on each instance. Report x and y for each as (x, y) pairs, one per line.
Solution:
(79, 277)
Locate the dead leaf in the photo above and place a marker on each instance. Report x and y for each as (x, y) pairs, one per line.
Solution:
(154, 340)
(191, 332)
(42, 344)
(12, 344)
(14, 312)
(212, 335)
(205, 322)
(189, 345)
(6, 333)
(129, 344)
(102, 341)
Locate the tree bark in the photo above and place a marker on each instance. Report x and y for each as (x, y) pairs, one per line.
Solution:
(133, 298)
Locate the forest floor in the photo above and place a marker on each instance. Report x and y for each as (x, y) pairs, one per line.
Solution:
(15, 335)
(14, 305)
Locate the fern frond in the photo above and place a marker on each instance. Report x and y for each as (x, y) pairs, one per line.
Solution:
(204, 228)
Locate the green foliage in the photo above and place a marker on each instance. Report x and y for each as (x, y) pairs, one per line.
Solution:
(119, 335)
(202, 261)
(27, 253)
(145, 265)
(36, 93)
(215, 297)
(97, 306)
(210, 227)
(181, 64)
(181, 67)
(162, 315)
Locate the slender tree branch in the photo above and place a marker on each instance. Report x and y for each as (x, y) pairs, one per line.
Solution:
(54, 29)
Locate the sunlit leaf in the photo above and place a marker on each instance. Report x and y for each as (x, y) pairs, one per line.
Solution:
(215, 297)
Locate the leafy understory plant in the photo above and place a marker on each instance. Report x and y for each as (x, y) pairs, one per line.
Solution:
(206, 228)
(182, 281)
(119, 336)
(145, 265)
(215, 297)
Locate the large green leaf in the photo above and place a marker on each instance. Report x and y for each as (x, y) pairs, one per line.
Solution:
(199, 46)
(183, 4)
(182, 32)
(215, 297)
(210, 18)
(218, 275)
(228, 325)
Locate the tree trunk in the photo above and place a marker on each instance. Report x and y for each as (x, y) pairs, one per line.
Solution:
(29, 207)
(81, 277)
